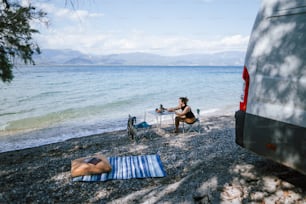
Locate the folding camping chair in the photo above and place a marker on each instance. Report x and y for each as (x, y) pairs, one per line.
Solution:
(136, 131)
(195, 126)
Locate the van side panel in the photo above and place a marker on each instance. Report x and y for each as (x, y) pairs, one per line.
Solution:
(277, 65)
(281, 142)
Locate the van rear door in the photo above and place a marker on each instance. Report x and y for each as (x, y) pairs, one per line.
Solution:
(274, 122)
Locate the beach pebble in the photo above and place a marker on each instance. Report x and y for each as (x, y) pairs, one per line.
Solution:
(270, 184)
(231, 192)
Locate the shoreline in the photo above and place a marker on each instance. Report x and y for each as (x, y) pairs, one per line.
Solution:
(32, 138)
(201, 168)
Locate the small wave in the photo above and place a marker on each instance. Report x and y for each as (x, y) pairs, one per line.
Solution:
(10, 113)
(15, 113)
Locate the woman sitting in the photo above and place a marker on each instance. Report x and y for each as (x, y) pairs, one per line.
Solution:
(185, 115)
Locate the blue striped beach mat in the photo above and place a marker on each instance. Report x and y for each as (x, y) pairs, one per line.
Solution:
(128, 167)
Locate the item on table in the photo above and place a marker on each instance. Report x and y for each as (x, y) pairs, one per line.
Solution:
(160, 109)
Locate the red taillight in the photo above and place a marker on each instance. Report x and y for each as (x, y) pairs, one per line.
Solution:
(244, 96)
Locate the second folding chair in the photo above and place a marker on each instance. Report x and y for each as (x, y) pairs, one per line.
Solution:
(138, 130)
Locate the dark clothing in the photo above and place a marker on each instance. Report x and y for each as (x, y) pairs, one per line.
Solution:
(188, 114)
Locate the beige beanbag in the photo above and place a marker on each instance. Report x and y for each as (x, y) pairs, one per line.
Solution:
(90, 165)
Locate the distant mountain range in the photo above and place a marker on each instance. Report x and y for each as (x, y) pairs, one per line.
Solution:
(72, 57)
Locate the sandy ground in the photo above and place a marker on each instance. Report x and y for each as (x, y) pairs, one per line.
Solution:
(201, 168)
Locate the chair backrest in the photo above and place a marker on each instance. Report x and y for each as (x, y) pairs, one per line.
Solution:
(198, 113)
(131, 130)
(131, 121)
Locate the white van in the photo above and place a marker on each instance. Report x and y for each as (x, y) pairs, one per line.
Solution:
(272, 117)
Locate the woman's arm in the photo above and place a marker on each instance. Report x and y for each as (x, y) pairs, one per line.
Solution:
(173, 109)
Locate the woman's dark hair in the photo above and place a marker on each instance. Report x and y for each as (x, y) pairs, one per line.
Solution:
(184, 100)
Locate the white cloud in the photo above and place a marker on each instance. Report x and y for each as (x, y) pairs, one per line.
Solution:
(76, 15)
(25, 3)
(65, 13)
(109, 43)
(234, 40)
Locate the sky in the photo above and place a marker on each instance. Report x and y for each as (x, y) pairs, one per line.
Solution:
(164, 27)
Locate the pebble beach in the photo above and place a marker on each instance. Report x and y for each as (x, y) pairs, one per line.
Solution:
(201, 168)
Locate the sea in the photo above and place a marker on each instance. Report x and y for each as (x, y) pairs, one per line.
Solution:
(48, 104)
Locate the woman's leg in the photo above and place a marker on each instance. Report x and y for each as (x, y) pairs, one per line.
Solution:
(179, 119)
(177, 123)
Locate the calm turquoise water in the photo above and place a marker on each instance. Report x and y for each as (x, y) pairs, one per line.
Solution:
(49, 104)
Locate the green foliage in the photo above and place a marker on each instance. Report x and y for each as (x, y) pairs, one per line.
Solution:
(16, 42)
